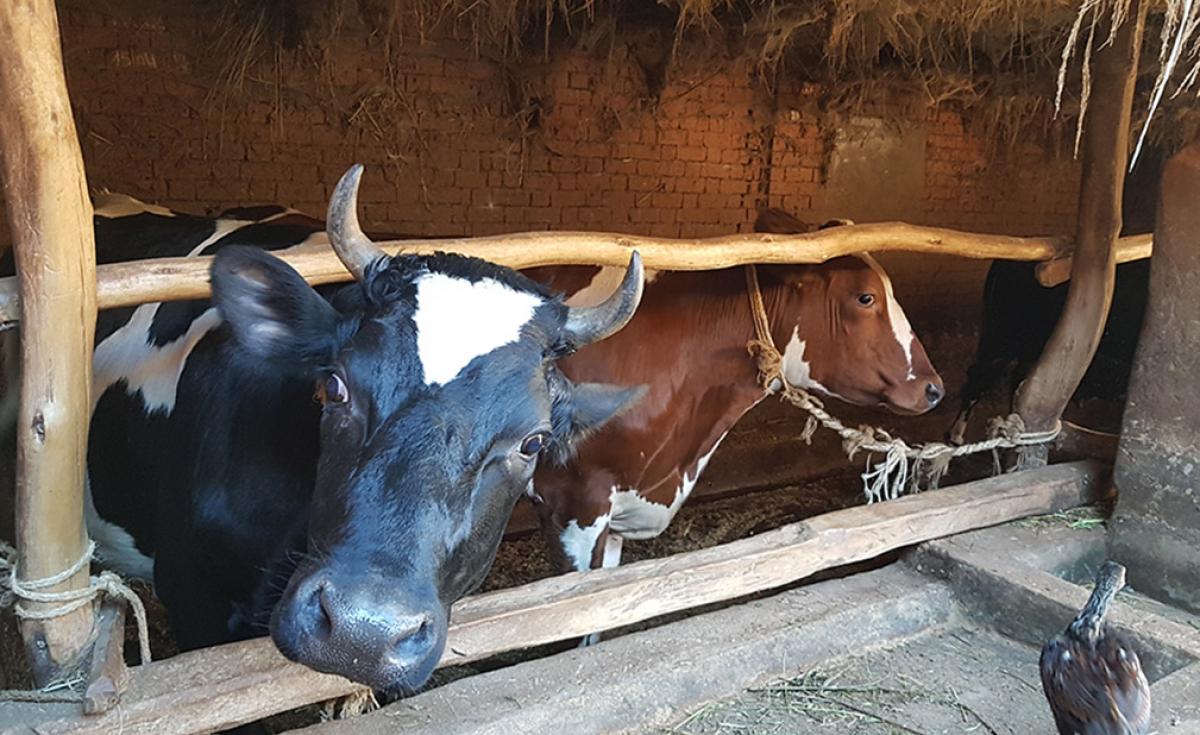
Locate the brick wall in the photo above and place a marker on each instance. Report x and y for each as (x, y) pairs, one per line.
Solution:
(447, 153)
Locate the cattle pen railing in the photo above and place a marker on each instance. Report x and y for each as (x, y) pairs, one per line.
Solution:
(232, 684)
(58, 289)
(175, 279)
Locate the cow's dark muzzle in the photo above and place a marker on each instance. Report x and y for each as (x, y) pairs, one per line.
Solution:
(373, 630)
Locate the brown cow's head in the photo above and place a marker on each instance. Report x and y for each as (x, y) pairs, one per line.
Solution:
(844, 334)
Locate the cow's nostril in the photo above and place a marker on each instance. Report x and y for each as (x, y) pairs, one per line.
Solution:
(412, 636)
(322, 611)
(934, 393)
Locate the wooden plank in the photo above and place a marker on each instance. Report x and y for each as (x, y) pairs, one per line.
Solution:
(1042, 397)
(173, 279)
(1135, 247)
(108, 675)
(240, 682)
(580, 603)
(1079, 441)
(51, 218)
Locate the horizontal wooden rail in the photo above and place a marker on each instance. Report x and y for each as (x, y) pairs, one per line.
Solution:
(240, 682)
(176, 279)
(1135, 247)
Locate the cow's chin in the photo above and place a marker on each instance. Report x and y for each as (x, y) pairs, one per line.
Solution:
(902, 410)
(885, 400)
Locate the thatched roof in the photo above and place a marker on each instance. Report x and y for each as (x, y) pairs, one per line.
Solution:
(999, 59)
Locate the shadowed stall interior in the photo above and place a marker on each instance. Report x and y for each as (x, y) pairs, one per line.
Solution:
(678, 120)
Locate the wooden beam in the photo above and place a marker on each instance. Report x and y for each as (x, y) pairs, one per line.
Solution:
(1053, 272)
(1042, 397)
(241, 682)
(1078, 442)
(51, 218)
(174, 279)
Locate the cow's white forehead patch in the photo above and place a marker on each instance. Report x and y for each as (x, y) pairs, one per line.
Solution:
(458, 320)
(899, 320)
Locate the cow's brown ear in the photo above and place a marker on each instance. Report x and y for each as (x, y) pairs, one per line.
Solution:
(587, 408)
(777, 221)
(835, 223)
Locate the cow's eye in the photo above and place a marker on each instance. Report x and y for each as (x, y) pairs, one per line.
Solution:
(866, 299)
(332, 390)
(533, 444)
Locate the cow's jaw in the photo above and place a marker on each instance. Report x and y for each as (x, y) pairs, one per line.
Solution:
(797, 371)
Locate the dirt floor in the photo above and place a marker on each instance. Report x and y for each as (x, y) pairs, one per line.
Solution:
(955, 679)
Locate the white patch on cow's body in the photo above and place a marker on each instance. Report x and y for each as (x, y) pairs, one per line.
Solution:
(112, 205)
(635, 517)
(796, 370)
(223, 228)
(899, 320)
(127, 354)
(612, 558)
(612, 551)
(458, 320)
(603, 284)
(115, 548)
(579, 542)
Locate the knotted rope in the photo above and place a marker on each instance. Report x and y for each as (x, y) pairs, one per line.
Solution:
(14, 591)
(904, 467)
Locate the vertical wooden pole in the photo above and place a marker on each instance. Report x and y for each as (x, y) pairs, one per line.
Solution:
(1044, 395)
(51, 219)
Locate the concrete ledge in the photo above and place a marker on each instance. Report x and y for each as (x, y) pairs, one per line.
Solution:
(651, 678)
(1166, 558)
(1004, 578)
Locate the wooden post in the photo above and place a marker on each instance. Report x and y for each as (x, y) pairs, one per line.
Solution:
(1044, 395)
(51, 218)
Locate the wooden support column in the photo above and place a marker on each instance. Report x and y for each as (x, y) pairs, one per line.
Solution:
(1044, 395)
(51, 218)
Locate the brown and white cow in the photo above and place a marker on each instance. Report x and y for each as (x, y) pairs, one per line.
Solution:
(841, 332)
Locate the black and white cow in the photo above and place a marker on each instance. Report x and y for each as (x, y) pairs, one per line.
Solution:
(346, 525)
(1019, 315)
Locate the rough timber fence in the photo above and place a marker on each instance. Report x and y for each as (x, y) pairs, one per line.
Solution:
(174, 279)
(225, 686)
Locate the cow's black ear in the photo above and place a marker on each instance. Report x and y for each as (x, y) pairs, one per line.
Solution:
(589, 407)
(273, 313)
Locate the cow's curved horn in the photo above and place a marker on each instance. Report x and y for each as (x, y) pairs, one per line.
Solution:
(588, 324)
(353, 248)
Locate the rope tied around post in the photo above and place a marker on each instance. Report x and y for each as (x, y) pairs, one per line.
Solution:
(13, 591)
(904, 467)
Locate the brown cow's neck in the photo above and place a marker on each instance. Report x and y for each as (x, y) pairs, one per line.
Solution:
(688, 345)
